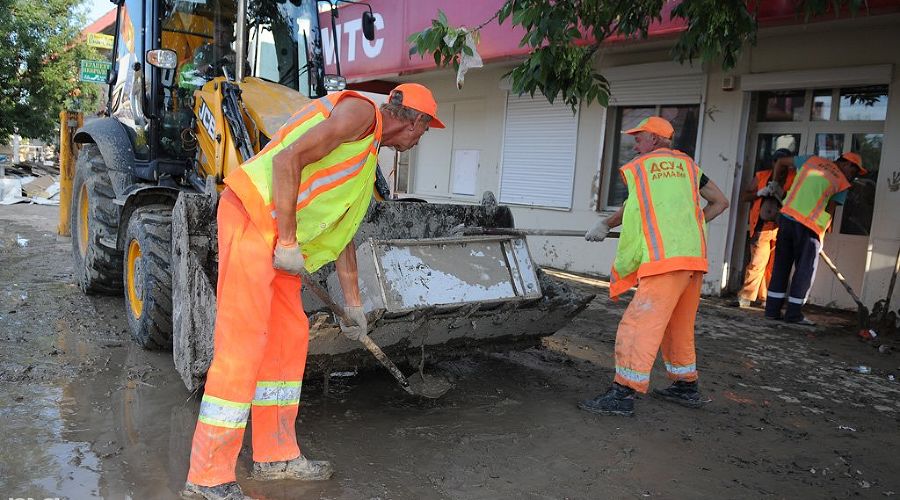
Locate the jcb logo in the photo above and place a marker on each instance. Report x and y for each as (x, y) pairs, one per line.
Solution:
(207, 120)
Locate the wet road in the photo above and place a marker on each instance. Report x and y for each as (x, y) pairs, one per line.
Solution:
(85, 413)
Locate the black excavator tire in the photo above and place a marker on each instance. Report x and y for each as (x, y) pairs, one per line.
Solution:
(148, 277)
(96, 261)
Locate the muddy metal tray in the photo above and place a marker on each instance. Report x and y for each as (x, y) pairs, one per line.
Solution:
(398, 276)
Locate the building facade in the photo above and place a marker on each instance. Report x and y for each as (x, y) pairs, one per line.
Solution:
(823, 87)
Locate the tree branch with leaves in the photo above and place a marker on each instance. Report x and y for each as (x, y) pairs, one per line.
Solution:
(564, 36)
(39, 57)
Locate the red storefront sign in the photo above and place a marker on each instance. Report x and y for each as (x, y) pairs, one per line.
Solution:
(396, 20)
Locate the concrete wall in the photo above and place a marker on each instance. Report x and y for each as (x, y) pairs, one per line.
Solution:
(475, 119)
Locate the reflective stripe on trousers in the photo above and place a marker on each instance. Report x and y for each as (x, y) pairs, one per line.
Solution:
(277, 393)
(681, 370)
(261, 339)
(223, 413)
(661, 315)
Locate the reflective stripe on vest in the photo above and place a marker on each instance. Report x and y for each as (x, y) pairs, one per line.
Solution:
(334, 192)
(817, 181)
(663, 228)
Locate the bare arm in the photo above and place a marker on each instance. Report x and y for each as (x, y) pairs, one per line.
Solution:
(748, 195)
(348, 275)
(348, 121)
(832, 206)
(717, 202)
(615, 219)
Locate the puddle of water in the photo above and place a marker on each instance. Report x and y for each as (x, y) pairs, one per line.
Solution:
(38, 461)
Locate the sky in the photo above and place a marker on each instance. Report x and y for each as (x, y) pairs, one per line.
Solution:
(96, 8)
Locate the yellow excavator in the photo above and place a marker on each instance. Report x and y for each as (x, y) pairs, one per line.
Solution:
(199, 86)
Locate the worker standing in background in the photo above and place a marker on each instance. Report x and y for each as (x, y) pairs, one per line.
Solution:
(806, 216)
(290, 209)
(765, 197)
(662, 249)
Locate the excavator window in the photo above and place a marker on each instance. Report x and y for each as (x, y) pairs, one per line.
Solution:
(202, 34)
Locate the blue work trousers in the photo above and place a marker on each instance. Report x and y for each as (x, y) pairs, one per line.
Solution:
(798, 248)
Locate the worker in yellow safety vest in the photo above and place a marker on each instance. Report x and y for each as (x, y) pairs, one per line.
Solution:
(806, 215)
(662, 249)
(289, 210)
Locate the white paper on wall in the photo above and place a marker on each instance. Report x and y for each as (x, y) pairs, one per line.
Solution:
(464, 171)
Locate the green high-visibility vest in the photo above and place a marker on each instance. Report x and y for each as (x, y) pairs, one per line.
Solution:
(334, 192)
(807, 202)
(663, 228)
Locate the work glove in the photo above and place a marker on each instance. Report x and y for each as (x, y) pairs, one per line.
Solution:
(598, 232)
(765, 191)
(775, 190)
(289, 259)
(360, 327)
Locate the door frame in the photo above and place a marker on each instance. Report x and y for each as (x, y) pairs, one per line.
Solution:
(807, 129)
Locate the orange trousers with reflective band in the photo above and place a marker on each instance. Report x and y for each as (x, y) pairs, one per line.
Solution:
(759, 270)
(260, 345)
(661, 314)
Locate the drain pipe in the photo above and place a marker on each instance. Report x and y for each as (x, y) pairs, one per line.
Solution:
(241, 42)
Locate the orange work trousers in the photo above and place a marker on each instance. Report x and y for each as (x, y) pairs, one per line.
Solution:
(759, 270)
(661, 313)
(260, 344)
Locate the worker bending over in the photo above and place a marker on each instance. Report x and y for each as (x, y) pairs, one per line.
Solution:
(289, 210)
(805, 217)
(662, 249)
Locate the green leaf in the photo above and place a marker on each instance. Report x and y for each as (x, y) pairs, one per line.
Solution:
(442, 17)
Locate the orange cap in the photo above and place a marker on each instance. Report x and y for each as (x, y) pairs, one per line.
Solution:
(419, 98)
(855, 159)
(654, 125)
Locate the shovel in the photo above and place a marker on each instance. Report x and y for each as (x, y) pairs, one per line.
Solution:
(861, 309)
(462, 230)
(418, 385)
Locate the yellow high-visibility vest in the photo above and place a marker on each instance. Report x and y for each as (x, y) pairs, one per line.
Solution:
(663, 228)
(334, 192)
(807, 201)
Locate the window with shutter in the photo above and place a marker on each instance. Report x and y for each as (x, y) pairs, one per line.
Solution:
(538, 162)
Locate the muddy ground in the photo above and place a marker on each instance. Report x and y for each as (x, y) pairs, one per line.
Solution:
(84, 413)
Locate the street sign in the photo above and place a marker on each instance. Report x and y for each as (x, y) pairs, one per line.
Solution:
(100, 41)
(94, 71)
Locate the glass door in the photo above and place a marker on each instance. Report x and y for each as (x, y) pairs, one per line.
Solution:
(826, 122)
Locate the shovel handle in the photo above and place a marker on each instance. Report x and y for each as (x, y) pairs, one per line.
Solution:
(505, 231)
(366, 340)
(837, 273)
(386, 362)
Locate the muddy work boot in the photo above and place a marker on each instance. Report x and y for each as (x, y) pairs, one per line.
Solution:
(618, 400)
(684, 393)
(226, 491)
(300, 468)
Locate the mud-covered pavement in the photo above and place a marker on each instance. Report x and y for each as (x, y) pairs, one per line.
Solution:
(84, 413)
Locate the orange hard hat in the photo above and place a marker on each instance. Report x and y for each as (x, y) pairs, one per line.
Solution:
(419, 98)
(654, 125)
(855, 159)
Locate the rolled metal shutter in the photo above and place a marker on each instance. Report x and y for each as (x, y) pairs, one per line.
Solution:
(538, 162)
